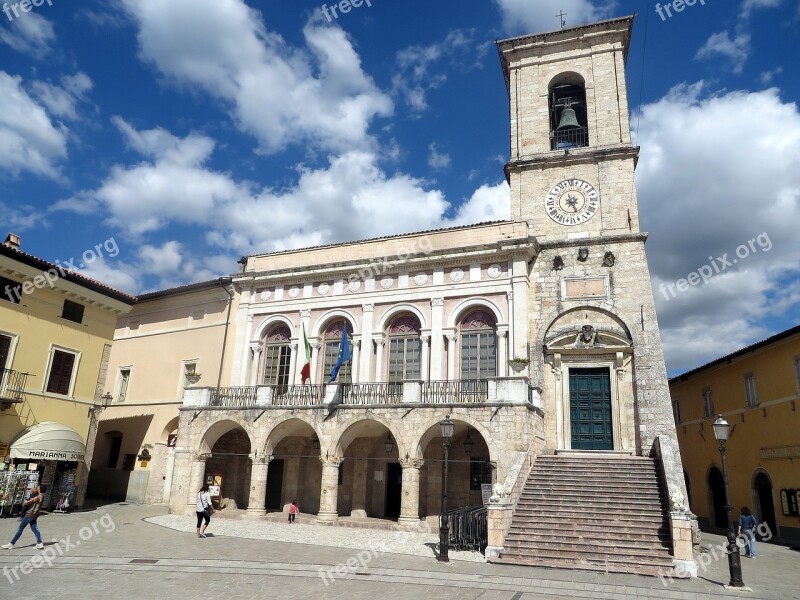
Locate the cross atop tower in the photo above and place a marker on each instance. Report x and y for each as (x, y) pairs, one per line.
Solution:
(561, 14)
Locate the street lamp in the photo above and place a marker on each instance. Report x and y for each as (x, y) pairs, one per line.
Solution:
(388, 445)
(722, 431)
(444, 527)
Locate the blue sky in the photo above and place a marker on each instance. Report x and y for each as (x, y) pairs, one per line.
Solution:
(196, 131)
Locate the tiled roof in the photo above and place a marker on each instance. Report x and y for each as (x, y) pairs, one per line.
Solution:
(72, 276)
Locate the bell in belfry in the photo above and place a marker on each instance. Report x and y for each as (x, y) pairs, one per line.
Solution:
(569, 119)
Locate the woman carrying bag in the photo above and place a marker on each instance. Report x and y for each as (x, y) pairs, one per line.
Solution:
(204, 510)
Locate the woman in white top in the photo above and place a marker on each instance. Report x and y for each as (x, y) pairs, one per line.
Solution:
(204, 510)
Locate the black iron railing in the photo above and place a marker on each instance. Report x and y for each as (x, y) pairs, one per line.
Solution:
(372, 393)
(12, 385)
(233, 396)
(465, 390)
(469, 528)
(567, 139)
(299, 395)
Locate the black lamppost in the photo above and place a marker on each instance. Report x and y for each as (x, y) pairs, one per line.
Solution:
(722, 432)
(444, 527)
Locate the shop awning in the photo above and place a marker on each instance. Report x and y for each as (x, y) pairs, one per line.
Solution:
(49, 441)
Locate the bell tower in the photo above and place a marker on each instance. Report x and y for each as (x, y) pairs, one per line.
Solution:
(571, 162)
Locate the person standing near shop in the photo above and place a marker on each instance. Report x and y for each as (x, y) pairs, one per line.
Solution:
(204, 510)
(34, 506)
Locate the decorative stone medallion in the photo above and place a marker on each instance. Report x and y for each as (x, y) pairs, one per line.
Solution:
(456, 274)
(323, 289)
(421, 278)
(495, 271)
(265, 295)
(354, 285)
(294, 292)
(387, 282)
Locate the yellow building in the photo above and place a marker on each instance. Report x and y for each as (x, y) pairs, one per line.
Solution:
(172, 339)
(56, 328)
(757, 391)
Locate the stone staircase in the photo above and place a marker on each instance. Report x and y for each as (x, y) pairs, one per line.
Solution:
(592, 511)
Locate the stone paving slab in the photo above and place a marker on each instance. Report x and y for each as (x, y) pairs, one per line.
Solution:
(225, 566)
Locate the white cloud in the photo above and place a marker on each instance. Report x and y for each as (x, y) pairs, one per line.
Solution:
(534, 16)
(29, 34)
(767, 76)
(417, 74)
(29, 141)
(436, 159)
(735, 49)
(62, 100)
(488, 203)
(279, 94)
(714, 174)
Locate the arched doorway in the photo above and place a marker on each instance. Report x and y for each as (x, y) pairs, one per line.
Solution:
(469, 466)
(762, 487)
(295, 471)
(716, 486)
(229, 468)
(370, 476)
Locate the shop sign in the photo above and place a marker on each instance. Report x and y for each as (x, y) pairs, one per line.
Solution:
(784, 452)
(55, 455)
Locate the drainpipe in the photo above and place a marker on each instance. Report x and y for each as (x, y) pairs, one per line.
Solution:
(223, 283)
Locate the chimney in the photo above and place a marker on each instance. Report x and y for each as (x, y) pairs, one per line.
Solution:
(12, 241)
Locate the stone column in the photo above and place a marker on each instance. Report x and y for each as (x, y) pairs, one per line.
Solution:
(329, 488)
(380, 342)
(437, 341)
(258, 487)
(365, 366)
(196, 481)
(520, 286)
(315, 344)
(256, 348)
(424, 371)
(409, 500)
(359, 491)
(355, 372)
(502, 354)
(452, 337)
(295, 346)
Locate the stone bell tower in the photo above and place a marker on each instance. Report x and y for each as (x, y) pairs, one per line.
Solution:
(571, 173)
(572, 162)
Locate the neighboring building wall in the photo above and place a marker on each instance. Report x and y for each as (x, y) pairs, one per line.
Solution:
(34, 329)
(765, 438)
(153, 345)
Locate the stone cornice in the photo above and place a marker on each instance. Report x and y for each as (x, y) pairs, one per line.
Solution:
(571, 158)
(639, 236)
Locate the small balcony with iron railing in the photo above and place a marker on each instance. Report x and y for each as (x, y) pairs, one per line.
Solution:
(496, 391)
(12, 387)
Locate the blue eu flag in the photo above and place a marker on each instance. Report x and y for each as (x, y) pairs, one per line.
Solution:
(344, 354)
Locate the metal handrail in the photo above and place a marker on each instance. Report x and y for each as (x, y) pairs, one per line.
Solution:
(464, 390)
(12, 385)
(469, 528)
(233, 396)
(372, 393)
(299, 395)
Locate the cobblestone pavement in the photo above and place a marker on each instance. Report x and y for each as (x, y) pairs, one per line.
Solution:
(113, 552)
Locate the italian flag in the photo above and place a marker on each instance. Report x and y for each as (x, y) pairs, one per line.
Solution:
(305, 373)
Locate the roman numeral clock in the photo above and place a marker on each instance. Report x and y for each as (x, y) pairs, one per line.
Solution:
(572, 202)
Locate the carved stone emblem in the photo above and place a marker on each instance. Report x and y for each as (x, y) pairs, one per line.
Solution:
(583, 254)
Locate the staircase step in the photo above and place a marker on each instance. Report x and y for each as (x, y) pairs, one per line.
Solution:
(653, 570)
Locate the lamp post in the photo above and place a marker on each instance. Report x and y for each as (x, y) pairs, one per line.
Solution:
(444, 527)
(722, 432)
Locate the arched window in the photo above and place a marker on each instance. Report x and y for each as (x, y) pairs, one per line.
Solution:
(478, 346)
(277, 358)
(405, 349)
(332, 339)
(569, 127)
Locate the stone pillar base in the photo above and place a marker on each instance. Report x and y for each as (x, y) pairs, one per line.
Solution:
(327, 517)
(253, 513)
(410, 522)
(684, 568)
(493, 552)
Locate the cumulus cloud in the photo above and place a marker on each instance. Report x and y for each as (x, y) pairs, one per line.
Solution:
(32, 36)
(29, 140)
(436, 159)
(61, 100)
(735, 49)
(714, 175)
(280, 94)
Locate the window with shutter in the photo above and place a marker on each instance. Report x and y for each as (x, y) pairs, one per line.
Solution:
(72, 311)
(5, 346)
(60, 372)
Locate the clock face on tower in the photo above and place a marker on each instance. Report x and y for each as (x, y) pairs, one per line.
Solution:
(572, 202)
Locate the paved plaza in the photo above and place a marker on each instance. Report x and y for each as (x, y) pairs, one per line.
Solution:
(130, 551)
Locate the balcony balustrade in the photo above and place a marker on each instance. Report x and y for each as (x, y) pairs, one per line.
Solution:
(501, 390)
(12, 387)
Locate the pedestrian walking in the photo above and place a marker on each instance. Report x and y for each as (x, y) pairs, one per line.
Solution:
(204, 510)
(34, 506)
(293, 511)
(747, 526)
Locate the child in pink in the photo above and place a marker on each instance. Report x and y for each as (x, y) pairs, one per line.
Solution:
(293, 511)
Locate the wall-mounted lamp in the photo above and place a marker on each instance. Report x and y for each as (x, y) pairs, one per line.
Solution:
(144, 455)
(388, 444)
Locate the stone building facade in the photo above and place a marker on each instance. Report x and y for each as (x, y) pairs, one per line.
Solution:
(535, 335)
